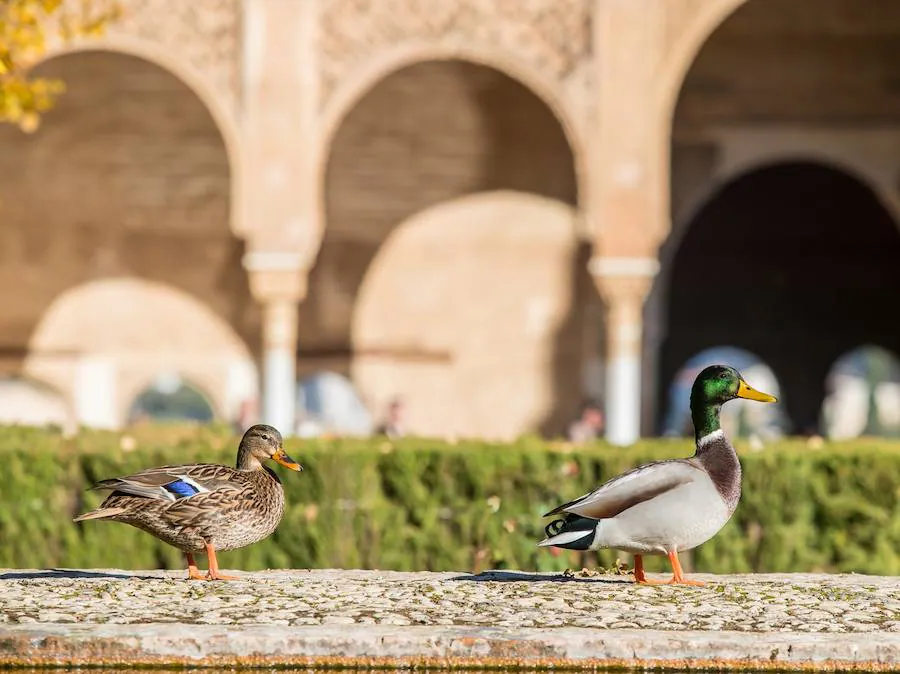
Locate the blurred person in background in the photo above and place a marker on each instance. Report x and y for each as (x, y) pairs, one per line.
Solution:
(394, 424)
(588, 426)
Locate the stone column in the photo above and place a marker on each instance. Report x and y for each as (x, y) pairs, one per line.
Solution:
(278, 281)
(280, 206)
(279, 183)
(95, 392)
(623, 284)
(627, 198)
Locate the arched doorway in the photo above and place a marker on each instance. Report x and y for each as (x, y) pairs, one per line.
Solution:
(128, 176)
(27, 402)
(103, 341)
(796, 262)
(863, 396)
(422, 139)
(169, 398)
(485, 328)
(834, 58)
(793, 103)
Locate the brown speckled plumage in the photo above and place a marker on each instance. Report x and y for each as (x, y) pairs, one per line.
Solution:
(204, 507)
(244, 507)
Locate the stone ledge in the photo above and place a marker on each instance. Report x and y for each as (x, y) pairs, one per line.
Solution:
(177, 645)
(362, 618)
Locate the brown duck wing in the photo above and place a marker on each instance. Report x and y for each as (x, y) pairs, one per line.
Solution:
(630, 488)
(169, 483)
(213, 476)
(204, 508)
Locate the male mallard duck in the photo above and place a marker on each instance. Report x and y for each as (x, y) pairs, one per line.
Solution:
(204, 507)
(665, 507)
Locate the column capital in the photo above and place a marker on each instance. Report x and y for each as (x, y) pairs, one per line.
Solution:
(623, 278)
(623, 266)
(623, 283)
(277, 275)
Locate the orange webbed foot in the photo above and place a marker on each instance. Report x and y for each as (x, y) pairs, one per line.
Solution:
(193, 571)
(678, 579)
(214, 566)
(671, 581)
(220, 576)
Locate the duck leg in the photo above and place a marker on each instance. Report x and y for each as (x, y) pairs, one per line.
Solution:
(193, 571)
(213, 573)
(677, 577)
(639, 575)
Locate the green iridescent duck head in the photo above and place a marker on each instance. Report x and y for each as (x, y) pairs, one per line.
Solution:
(713, 387)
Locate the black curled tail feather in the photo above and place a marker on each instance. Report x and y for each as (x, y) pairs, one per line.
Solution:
(572, 531)
(559, 525)
(555, 527)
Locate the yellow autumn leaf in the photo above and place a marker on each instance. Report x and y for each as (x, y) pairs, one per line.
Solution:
(25, 26)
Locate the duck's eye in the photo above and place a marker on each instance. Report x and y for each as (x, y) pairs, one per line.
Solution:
(266, 438)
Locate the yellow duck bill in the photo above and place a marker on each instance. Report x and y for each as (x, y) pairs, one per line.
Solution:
(286, 461)
(750, 393)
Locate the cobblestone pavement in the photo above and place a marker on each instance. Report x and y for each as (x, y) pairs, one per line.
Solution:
(760, 603)
(857, 611)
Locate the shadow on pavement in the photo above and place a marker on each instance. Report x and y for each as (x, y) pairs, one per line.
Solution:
(525, 577)
(71, 574)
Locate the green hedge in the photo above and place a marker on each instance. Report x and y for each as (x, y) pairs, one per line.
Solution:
(422, 504)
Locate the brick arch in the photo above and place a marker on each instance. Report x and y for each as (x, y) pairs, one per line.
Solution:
(135, 330)
(684, 48)
(217, 105)
(826, 157)
(401, 150)
(758, 268)
(364, 79)
(711, 81)
(129, 176)
(204, 389)
(491, 364)
(44, 394)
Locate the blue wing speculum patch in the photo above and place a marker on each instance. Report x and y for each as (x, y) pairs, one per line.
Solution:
(181, 489)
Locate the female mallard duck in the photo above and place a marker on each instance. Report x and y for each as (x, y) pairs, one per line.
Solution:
(204, 507)
(665, 507)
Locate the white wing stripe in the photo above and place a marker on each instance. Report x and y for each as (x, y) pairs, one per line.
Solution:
(567, 537)
(168, 495)
(199, 487)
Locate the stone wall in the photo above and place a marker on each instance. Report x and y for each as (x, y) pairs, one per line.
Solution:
(318, 135)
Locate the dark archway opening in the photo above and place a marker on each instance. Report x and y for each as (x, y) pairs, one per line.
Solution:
(863, 395)
(797, 262)
(171, 399)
